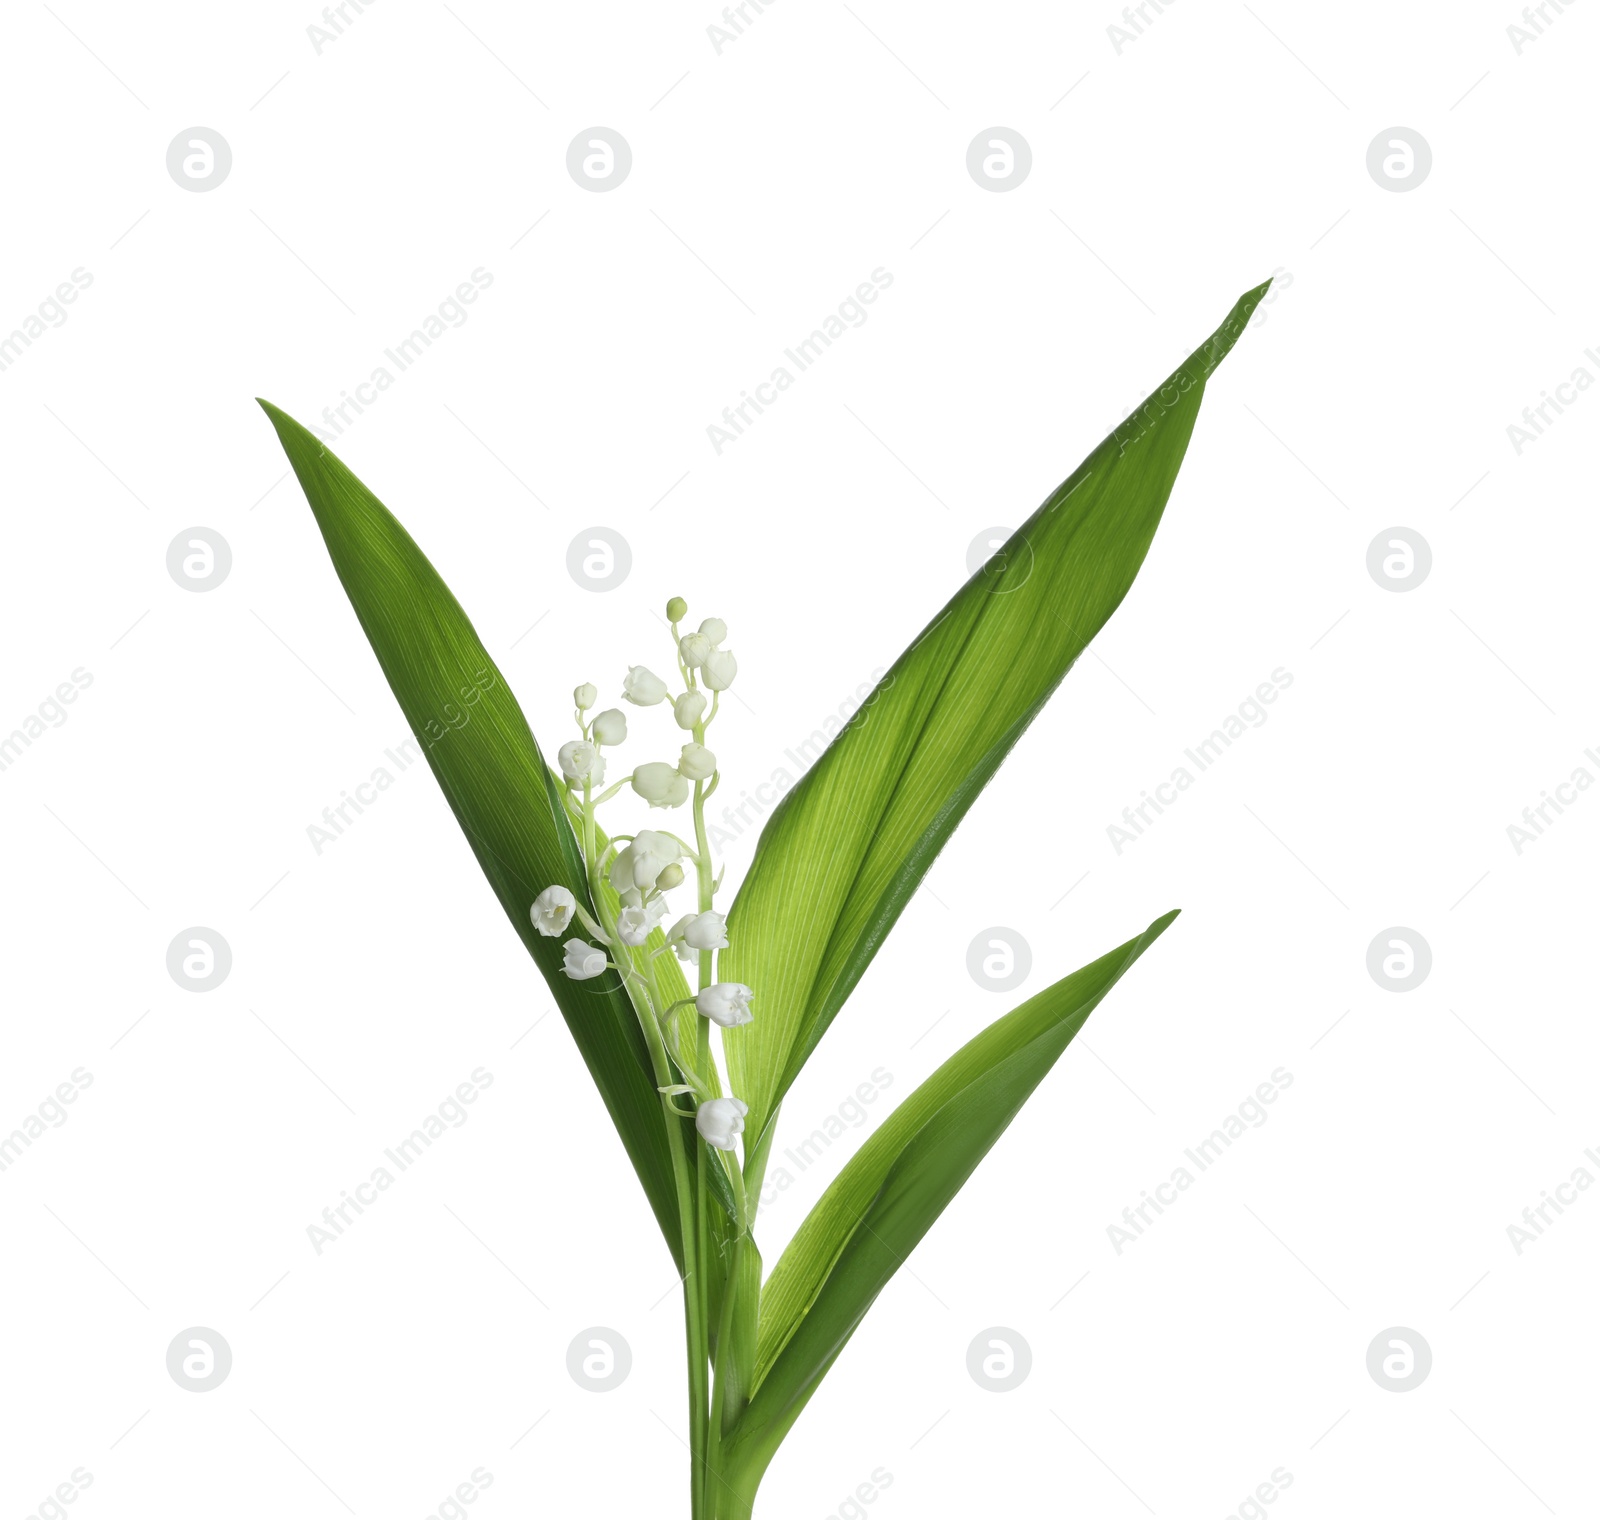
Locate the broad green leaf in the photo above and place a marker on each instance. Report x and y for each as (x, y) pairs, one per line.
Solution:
(846, 848)
(489, 767)
(891, 1191)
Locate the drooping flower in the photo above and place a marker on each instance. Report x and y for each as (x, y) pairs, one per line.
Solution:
(610, 727)
(637, 918)
(644, 688)
(725, 1003)
(552, 911)
(696, 762)
(581, 761)
(704, 931)
(720, 1121)
(713, 630)
(584, 697)
(660, 784)
(583, 961)
(689, 708)
(641, 862)
(719, 669)
(634, 925)
(693, 649)
(671, 877)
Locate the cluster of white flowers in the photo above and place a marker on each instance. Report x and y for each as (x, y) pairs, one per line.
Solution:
(643, 867)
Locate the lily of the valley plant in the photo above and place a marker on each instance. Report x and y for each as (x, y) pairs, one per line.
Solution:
(835, 865)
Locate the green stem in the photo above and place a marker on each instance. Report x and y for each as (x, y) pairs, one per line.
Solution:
(702, 865)
(694, 1308)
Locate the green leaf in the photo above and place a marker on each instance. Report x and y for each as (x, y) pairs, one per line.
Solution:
(738, 1365)
(891, 1191)
(846, 848)
(489, 767)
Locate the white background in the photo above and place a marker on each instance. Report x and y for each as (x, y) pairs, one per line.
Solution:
(1222, 145)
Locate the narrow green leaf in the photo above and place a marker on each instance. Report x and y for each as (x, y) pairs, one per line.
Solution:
(489, 767)
(893, 1189)
(738, 1366)
(846, 848)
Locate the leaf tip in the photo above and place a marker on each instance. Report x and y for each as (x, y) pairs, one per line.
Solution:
(1220, 344)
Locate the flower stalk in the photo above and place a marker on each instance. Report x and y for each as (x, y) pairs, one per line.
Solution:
(628, 878)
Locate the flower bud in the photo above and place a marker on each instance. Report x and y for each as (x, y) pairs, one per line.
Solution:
(552, 911)
(584, 697)
(725, 1003)
(715, 630)
(670, 878)
(583, 961)
(720, 668)
(693, 648)
(677, 610)
(697, 762)
(720, 1121)
(689, 708)
(660, 785)
(644, 688)
(581, 761)
(610, 727)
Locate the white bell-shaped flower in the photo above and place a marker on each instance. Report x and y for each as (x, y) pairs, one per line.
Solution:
(696, 762)
(644, 688)
(660, 785)
(584, 697)
(675, 936)
(693, 649)
(714, 631)
(719, 669)
(725, 1003)
(581, 761)
(634, 925)
(583, 961)
(689, 709)
(720, 1121)
(552, 911)
(705, 931)
(610, 727)
(642, 861)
